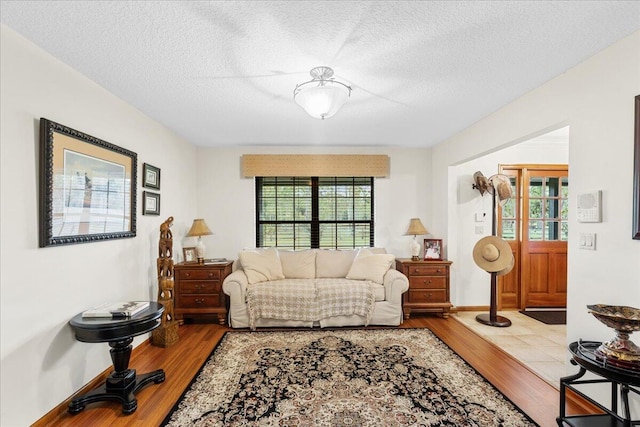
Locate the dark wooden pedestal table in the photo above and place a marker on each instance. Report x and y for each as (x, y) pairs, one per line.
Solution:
(620, 375)
(123, 383)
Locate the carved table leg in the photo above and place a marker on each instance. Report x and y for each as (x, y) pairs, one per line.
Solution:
(122, 384)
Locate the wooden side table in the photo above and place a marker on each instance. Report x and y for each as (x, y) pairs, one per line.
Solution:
(428, 286)
(198, 290)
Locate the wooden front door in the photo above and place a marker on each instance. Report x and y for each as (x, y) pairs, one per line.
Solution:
(536, 227)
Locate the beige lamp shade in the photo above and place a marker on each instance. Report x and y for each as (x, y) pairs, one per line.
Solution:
(416, 228)
(199, 228)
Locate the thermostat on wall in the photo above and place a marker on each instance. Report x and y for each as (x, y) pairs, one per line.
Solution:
(590, 206)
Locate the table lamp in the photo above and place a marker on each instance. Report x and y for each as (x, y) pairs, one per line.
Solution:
(199, 228)
(415, 228)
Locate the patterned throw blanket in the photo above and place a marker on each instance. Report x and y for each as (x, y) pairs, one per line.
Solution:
(309, 300)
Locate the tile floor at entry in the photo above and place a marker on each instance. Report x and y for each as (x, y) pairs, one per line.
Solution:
(541, 347)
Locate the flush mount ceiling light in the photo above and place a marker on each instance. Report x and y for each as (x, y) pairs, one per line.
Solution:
(323, 96)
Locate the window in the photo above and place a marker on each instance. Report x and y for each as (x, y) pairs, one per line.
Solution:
(548, 208)
(510, 213)
(314, 212)
(544, 209)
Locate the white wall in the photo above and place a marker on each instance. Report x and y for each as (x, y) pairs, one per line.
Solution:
(227, 201)
(41, 289)
(596, 99)
(471, 284)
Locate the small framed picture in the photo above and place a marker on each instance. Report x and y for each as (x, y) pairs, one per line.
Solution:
(150, 203)
(189, 254)
(433, 249)
(150, 176)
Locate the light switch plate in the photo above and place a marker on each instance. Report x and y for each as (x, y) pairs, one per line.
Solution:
(480, 216)
(588, 241)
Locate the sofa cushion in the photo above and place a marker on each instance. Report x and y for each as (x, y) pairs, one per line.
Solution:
(261, 266)
(333, 263)
(298, 264)
(369, 266)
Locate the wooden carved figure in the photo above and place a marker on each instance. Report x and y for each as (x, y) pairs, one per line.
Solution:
(167, 333)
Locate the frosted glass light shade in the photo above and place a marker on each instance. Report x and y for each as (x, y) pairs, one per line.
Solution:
(322, 101)
(323, 96)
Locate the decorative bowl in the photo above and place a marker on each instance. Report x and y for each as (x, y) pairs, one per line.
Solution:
(624, 320)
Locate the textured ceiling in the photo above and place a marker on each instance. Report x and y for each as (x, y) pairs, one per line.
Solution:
(222, 73)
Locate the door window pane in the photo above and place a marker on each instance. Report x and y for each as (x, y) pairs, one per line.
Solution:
(509, 229)
(564, 230)
(535, 187)
(509, 209)
(535, 230)
(535, 208)
(551, 230)
(552, 187)
(551, 210)
(565, 188)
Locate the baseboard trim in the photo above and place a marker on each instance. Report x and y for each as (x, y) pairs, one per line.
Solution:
(54, 415)
(472, 308)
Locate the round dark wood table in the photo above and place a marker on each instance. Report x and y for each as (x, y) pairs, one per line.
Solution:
(123, 383)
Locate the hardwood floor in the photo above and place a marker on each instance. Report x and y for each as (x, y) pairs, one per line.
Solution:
(181, 362)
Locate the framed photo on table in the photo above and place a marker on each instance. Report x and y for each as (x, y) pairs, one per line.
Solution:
(189, 255)
(433, 249)
(87, 187)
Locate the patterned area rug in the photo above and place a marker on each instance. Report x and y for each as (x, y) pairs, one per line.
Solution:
(384, 377)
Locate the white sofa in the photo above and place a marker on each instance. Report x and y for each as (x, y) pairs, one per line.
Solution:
(318, 287)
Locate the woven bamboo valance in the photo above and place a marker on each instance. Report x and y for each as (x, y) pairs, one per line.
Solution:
(315, 165)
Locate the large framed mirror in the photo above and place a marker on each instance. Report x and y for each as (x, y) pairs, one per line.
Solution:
(636, 173)
(87, 187)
